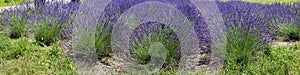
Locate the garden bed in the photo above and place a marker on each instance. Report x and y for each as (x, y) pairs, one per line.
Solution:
(260, 39)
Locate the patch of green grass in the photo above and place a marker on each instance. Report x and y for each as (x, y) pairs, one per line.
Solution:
(4, 45)
(247, 55)
(21, 57)
(12, 2)
(282, 60)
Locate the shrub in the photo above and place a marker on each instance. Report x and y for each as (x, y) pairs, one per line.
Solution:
(288, 32)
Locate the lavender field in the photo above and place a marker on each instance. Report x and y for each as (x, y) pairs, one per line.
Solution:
(150, 37)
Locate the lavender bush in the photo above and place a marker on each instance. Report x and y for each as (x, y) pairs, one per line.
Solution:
(152, 32)
(18, 26)
(117, 7)
(288, 32)
(250, 27)
(46, 31)
(16, 21)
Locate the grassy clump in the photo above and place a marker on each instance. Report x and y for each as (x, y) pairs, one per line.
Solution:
(288, 32)
(282, 60)
(285, 58)
(12, 2)
(14, 51)
(21, 57)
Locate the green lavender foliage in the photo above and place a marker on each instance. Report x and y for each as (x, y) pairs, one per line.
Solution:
(47, 31)
(241, 48)
(103, 40)
(288, 32)
(18, 26)
(141, 47)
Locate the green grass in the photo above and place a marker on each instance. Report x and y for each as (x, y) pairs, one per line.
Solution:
(282, 60)
(21, 57)
(11, 2)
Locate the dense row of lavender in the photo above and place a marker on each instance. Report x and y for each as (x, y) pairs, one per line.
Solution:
(48, 23)
(257, 18)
